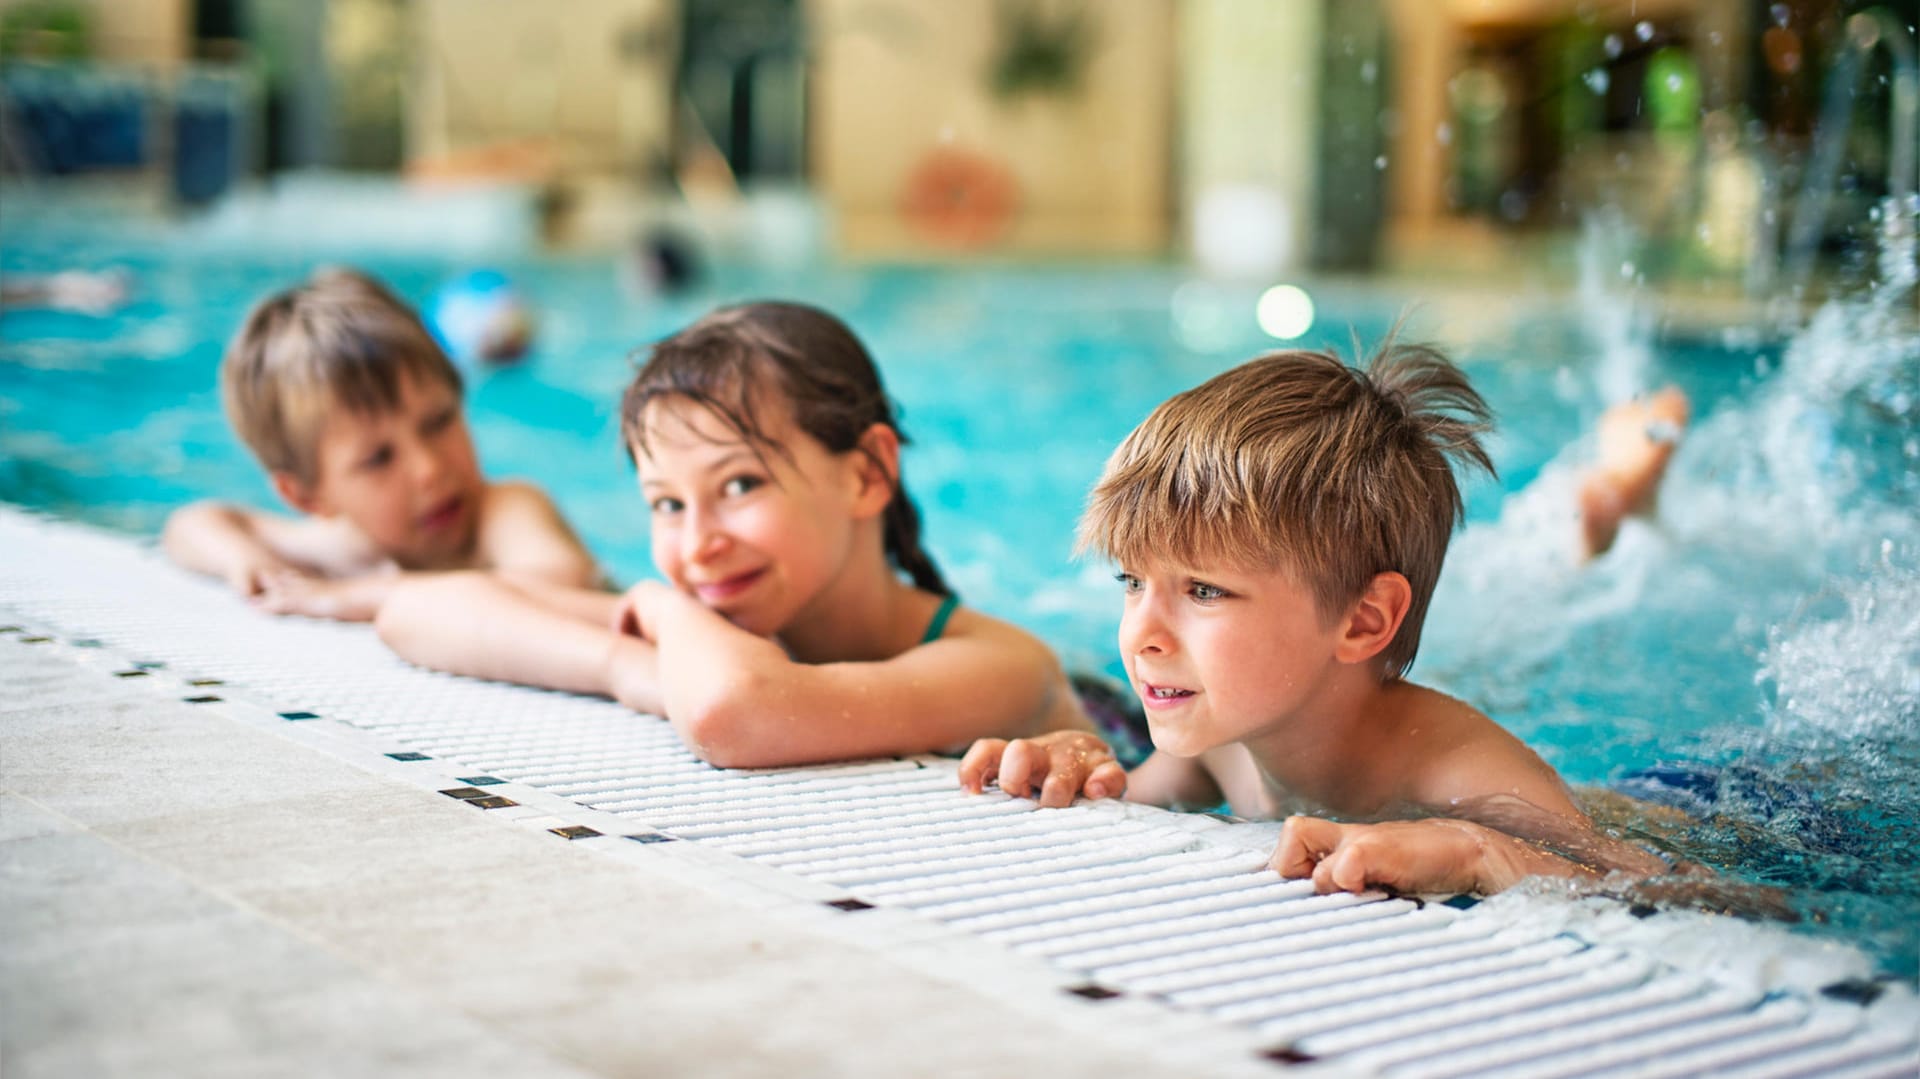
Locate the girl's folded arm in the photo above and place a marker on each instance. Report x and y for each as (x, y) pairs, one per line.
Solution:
(740, 702)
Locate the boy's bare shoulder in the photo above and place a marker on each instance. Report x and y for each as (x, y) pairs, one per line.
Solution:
(522, 530)
(1463, 756)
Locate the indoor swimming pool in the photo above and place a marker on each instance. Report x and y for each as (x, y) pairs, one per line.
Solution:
(1759, 640)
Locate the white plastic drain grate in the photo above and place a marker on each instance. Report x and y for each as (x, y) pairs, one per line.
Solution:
(1137, 901)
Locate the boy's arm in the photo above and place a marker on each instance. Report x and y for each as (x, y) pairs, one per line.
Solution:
(1176, 782)
(246, 548)
(1420, 856)
(479, 625)
(523, 537)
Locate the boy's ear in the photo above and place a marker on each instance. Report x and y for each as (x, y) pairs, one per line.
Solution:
(876, 461)
(1375, 618)
(295, 492)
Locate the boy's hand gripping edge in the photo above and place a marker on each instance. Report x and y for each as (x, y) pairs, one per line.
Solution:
(1058, 765)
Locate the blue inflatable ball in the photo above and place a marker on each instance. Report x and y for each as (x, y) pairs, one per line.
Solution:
(480, 318)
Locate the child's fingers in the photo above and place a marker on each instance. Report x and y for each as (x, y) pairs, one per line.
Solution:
(1108, 780)
(1021, 766)
(1062, 784)
(1304, 842)
(981, 764)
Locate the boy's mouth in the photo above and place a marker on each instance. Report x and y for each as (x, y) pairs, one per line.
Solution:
(444, 514)
(1154, 696)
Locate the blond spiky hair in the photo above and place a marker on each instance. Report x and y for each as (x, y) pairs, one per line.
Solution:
(1297, 461)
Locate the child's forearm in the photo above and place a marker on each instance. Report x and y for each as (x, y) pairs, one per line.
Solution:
(476, 625)
(213, 539)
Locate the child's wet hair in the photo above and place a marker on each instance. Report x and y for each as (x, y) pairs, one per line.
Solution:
(1297, 461)
(340, 340)
(811, 360)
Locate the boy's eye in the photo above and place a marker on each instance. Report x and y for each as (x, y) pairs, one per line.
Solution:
(439, 421)
(1127, 581)
(378, 459)
(740, 485)
(1206, 593)
(666, 505)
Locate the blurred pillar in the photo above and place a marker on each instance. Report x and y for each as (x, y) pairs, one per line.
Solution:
(1354, 68)
(1249, 120)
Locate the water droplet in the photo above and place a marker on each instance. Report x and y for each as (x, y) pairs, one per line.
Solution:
(1369, 71)
(1380, 162)
(1782, 14)
(1443, 134)
(1626, 269)
(1643, 30)
(1674, 82)
(1612, 45)
(1598, 80)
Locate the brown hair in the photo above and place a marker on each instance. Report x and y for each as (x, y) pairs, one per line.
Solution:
(340, 340)
(1295, 460)
(814, 362)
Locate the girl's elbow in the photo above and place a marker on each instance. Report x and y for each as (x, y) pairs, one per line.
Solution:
(720, 729)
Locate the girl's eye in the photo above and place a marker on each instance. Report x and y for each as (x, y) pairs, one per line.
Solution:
(740, 485)
(1206, 593)
(665, 505)
(1128, 581)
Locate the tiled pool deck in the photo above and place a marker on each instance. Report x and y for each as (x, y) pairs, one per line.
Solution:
(238, 845)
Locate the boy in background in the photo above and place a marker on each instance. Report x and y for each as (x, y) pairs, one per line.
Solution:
(355, 413)
(1279, 530)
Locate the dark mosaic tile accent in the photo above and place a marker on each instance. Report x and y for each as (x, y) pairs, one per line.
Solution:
(35, 640)
(151, 665)
(1854, 991)
(1643, 910)
(88, 642)
(1287, 1054)
(299, 715)
(410, 756)
(12, 629)
(204, 698)
(482, 781)
(492, 801)
(1090, 991)
(130, 674)
(205, 682)
(1461, 902)
(652, 837)
(575, 831)
(464, 793)
(850, 905)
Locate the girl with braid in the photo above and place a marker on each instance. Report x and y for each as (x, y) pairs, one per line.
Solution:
(800, 619)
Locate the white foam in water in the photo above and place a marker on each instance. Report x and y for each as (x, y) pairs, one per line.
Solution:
(1855, 674)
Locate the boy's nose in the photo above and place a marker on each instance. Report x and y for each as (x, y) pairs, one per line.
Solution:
(1143, 631)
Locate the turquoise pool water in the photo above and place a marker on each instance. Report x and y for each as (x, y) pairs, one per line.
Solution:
(1767, 625)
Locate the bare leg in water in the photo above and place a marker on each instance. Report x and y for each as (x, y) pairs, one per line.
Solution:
(1636, 440)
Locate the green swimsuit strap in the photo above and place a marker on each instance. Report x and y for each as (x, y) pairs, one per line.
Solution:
(939, 624)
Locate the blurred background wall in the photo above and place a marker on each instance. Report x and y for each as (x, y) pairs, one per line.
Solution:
(1252, 138)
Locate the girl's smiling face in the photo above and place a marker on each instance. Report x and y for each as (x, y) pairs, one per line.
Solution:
(757, 533)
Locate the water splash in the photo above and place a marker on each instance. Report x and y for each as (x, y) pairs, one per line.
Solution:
(1620, 328)
(1854, 674)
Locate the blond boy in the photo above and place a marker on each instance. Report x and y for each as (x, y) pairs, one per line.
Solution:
(1279, 530)
(355, 412)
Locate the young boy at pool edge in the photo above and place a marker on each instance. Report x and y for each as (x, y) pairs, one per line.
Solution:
(354, 411)
(1279, 530)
